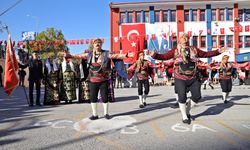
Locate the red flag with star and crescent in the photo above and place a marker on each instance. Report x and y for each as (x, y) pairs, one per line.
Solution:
(11, 68)
(133, 40)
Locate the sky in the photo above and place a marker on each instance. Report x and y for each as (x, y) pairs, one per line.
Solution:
(78, 19)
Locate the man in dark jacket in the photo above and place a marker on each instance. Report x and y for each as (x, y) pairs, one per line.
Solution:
(35, 77)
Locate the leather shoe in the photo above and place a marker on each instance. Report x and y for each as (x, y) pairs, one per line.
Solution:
(141, 106)
(144, 103)
(186, 121)
(107, 116)
(93, 117)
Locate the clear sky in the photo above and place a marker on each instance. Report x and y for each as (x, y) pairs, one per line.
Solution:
(78, 19)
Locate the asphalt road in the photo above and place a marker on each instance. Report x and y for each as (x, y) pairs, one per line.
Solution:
(158, 126)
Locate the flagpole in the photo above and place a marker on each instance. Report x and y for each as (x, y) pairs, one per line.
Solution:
(26, 95)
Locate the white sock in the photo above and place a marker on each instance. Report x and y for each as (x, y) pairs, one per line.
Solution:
(188, 106)
(94, 108)
(140, 99)
(183, 110)
(224, 96)
(227, 95)
(144, 98)
(176, 97)
(105, 108)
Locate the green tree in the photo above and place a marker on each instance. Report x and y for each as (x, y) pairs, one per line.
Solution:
(50, 43)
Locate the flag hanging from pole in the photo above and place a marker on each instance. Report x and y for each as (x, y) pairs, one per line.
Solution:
(11, 67)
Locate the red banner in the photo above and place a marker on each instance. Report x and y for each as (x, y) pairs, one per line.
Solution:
(133, 39)
(11, 66)
(247, 28)
(222, 31)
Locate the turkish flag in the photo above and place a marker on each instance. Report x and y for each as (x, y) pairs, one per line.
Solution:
(133, 40)
(11, 67)
(247, 28)
(189, 33)
(222, 31)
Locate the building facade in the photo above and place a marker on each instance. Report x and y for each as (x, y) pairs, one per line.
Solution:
(157, 25)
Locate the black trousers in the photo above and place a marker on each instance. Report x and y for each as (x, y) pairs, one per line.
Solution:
(141, 84)
(38, 91)
(94, 89)
(226, 85)
(183, 86)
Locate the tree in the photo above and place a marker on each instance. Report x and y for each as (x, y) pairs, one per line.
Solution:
(50, 43)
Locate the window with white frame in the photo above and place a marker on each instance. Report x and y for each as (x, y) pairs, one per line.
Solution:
(222, 14)
(222, 41)
(230, 41)
(138, 16)
(157, 16)
(203, 41)
(165, 16)
(195, 40)
(247, 41)
(214, 41)
(122, 17)
(130, 17)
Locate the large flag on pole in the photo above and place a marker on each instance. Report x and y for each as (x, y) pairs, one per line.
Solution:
(11, 68)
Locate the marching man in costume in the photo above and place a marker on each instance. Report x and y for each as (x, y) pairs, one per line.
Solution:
(185, 72)
(225, 72)
(143, 68)
(99, 65)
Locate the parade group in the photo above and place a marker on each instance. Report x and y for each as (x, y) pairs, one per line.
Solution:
(95, 75)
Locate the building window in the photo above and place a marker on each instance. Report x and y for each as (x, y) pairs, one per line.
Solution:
(174, 41)
(186, 15)
(240, 41)
(214, 41)
(195, 40)
(222, 41)
(230, 14)
(240, 14)
(222, 14)
(213, 14)
(165, 16)
(203, 41)
(123, 17)
(173, 15)
(230, 41)
(157, 16)
(194, 15)
(247, 15)
(146, 14)
(145, 44)
(247, 41)
(203, 18)
(130, 17)
(138, 16)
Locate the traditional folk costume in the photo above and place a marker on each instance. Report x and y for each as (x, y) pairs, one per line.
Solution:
(225, 73)
(99, 65)
(51, 82)
(185, 73)
(143, 69)
(84, 93)
(204, 71)
(68, 88)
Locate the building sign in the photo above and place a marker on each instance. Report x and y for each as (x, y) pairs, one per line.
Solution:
(29, 36)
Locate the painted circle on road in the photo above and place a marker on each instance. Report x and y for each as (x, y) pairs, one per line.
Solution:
(103, 125)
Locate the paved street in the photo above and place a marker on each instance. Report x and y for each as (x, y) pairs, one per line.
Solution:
(216, 126)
